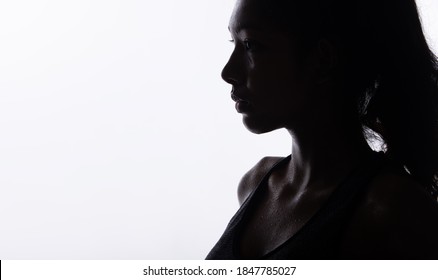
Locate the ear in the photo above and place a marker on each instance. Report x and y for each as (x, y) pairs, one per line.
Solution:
(325, 61)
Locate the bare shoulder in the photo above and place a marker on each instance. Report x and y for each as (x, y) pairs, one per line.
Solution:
(398, 219)
(253, 177)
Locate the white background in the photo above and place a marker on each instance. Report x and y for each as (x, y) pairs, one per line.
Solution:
(118, 138)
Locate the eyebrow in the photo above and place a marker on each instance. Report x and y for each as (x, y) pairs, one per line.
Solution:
(247, 26)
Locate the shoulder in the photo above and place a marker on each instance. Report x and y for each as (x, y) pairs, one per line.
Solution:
(252, 178)
(397, 219)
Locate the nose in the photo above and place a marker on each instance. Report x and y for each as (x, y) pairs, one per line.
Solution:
(232, 72)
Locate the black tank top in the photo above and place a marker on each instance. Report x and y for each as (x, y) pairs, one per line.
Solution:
(320, 237)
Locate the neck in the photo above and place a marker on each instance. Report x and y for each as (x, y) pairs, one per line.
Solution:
(323, 156)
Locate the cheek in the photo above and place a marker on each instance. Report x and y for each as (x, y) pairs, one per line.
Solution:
(286, 102)
(290, 84)
(280, 85)
(266, 77)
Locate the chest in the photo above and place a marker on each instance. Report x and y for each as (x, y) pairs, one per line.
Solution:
(271, 221)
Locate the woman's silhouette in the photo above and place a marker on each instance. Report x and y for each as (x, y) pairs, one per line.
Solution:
(335, 73)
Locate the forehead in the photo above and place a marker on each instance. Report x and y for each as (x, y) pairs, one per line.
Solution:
(249, 14)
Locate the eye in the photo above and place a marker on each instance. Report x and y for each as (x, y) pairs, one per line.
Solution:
(249, 45)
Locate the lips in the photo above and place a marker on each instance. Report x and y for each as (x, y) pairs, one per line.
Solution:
(235, 97)
(242, 105)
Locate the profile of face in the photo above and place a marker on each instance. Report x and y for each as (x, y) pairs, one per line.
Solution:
(271, 85)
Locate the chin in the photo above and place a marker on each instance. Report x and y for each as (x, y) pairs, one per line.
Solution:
(259, 126)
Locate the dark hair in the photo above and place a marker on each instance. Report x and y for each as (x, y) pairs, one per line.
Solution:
(390, 70)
